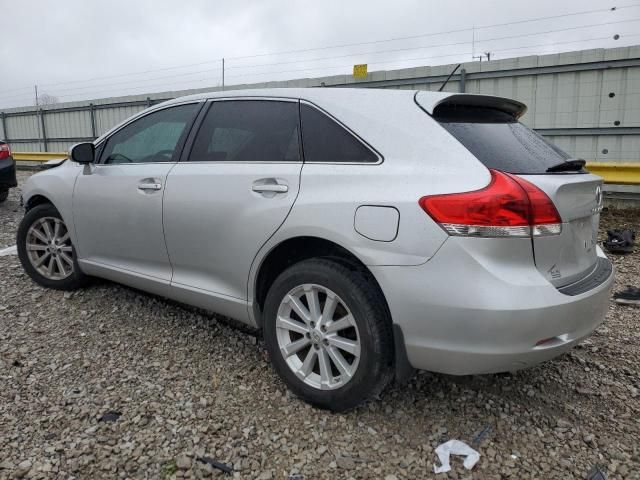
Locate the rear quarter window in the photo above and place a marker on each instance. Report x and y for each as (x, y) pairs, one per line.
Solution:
(326, 141)
(498, 140)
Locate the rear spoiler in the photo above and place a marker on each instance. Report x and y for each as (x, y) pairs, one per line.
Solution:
(430, 102)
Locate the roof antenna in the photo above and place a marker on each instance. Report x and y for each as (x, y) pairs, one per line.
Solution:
(449, 77)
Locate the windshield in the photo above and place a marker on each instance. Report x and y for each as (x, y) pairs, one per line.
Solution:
(498, 140)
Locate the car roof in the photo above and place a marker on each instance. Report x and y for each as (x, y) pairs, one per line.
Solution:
(355, 98)
(312, 94)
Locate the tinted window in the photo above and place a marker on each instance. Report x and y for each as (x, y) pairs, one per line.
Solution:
(248, 131)
(152, 138)
(498, 140)
(325, 140)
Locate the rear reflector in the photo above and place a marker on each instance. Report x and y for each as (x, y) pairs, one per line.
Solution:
(508, 207)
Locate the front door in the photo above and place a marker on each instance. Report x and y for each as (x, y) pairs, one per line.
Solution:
(117, 202)
(235, 190)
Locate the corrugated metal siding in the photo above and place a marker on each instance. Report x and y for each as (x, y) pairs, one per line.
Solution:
(24, 126)
(26, 147)
(109, 117)
(601, 148)
(68, 124)
(60, 146)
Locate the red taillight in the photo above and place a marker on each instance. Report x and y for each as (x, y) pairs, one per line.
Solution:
(508, 207)
(5, 152)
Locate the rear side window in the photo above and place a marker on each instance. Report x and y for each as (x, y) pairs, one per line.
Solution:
(325, 140)
(248, 131)
(498, 140)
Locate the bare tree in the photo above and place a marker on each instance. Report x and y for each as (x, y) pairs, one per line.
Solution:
(46, 99)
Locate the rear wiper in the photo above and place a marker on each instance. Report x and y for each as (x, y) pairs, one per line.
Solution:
(569, 165)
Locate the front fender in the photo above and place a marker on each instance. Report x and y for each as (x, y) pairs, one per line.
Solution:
(55, 186)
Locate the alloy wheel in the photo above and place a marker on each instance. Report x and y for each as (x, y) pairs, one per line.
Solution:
(49, 248)
(318, 336)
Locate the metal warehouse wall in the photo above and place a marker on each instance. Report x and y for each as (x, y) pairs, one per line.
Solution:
(587, 102)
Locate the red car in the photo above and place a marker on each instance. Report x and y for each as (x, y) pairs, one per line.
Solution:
(7, 171)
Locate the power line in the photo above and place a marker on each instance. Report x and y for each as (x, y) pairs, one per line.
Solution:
(516, 22)
(343, 56)
(381, 62)
(440, 33)
(437, 45)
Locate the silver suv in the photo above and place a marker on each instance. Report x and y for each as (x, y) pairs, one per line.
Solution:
(366, 232)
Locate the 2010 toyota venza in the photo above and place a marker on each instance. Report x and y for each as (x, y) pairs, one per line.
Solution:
(366, 232)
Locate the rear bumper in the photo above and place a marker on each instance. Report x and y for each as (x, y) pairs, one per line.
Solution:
(7, 174)
(464, 313)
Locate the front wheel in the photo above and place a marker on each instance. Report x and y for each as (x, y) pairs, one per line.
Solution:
(45, 249)
(329, 335)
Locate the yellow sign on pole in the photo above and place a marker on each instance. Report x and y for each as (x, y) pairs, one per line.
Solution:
(360, 71)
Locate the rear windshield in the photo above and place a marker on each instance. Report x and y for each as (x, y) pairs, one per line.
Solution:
(498, 140)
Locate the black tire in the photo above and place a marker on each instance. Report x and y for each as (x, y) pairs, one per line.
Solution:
(364, 300)
(74, 281)
(3, 195)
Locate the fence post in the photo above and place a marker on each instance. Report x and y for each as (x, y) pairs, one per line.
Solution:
(92, 113)
(44, 132)
(148, 102)
(463, 80)
(4, 127)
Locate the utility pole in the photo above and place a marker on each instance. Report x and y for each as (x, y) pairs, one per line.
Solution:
(223, 73)
(473, 42)
(35, 87)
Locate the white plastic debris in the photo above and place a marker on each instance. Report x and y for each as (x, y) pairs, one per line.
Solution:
(8, 251)
(455, 447)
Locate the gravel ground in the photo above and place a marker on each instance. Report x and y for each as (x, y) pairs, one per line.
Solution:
(190, 385)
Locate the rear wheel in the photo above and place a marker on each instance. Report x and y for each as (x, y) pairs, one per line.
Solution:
(328, 333)
(45, 249)
(3, 195)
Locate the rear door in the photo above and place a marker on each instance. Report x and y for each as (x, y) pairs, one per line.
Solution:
(500, 142)
(235, 189)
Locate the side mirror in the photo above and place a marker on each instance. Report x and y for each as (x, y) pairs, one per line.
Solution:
(83, 153)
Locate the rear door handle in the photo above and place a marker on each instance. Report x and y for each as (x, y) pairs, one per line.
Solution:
(149, 186)
(270, 187)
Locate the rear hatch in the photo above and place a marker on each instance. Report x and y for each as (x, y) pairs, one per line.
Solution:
(489, 129)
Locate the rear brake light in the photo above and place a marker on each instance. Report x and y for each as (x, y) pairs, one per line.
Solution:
(5, 152)
(508, 207)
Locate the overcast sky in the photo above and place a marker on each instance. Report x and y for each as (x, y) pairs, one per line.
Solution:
(79, 49)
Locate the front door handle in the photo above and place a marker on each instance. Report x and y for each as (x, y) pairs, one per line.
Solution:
(270, 187)
(149, 186)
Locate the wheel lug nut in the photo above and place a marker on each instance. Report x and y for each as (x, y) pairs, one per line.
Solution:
(308, 335)
(313, 324)
(326, 342)
(323, 328)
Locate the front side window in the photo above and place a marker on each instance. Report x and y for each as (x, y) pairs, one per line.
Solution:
(152, 138)
(248, 131)
(325, 140)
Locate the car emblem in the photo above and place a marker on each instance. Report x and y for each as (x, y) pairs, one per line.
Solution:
(599, 200)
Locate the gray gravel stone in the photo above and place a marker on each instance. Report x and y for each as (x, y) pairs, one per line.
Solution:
(191, 384)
